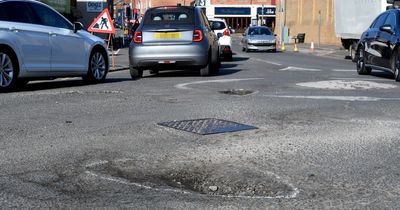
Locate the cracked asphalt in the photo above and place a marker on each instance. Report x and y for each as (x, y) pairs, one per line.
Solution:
(327, 138)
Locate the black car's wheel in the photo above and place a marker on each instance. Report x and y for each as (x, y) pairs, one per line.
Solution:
(396, 65)
(98, 67)
(229, 57)
(135, 72)
(9, 70)
(216, 65)
(361, 68)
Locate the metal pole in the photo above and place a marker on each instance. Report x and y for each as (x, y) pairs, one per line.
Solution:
(282, 20)
(262, 14)
(319, 27)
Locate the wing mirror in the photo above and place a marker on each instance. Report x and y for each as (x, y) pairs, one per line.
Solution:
(387, 28)
(78, 26)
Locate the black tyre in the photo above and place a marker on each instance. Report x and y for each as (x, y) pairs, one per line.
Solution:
(9, 70)
(216, 65)
(98, 67)
(361, 68)
(229, 57)
(136, 73)
(209, 68)
(396, 65)
(352, 50)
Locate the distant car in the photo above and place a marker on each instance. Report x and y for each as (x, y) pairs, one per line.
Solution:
(222, 30)
(37, 42)
(258, 38)
(378, 47)
(174, 38)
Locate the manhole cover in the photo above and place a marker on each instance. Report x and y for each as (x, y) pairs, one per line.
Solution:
(207, 126)
(239, 92)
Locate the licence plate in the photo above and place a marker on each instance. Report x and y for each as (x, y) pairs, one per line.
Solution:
(168, 35)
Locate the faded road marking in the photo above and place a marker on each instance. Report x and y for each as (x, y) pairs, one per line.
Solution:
(346, 85)
(336, 98)
(265, 61)
(185, 85)
(293, 68)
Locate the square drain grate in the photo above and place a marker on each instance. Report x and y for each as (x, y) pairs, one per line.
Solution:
(207, 126)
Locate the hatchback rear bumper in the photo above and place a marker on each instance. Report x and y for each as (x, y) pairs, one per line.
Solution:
(167, 56)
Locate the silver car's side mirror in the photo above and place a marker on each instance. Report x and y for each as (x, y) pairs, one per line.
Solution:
(78, 26)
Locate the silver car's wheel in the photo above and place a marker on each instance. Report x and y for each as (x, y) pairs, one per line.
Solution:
(9, 70)
(6, 70)
(97, 67)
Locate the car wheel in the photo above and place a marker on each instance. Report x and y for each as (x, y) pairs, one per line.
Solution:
(217, 65)
(208, 69)
(274, 50)
(9, 70)
(135, 73)
(396, 65)
(352, 49)
(98, 68)
(361, 68)
(243, 49)
(229, 57)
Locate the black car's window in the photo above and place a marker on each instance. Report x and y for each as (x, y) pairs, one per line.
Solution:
(16, 12)
(379, 21)
(50, 18)
(391, 20)
(169, 15)
(217, 25)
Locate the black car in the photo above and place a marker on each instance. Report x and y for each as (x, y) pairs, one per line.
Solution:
(378, 47)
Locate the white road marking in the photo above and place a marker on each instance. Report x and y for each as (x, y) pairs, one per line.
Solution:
(362, 79)
(336, 98)
(344, 70)
(265, 61)
(346, 85)
(293, 68)
(185, 85)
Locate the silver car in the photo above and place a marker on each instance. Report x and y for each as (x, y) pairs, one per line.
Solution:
(37, 42)
(258, 38)
(174, 38)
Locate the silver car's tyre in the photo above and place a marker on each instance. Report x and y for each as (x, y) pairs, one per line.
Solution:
(135, 73)
(9, 70)
(361, 68)
(98, 68)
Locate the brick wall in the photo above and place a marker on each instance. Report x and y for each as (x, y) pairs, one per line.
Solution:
(310, 16)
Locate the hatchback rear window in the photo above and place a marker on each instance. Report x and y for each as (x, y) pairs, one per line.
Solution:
(259, 31)
(169, 15)
(217, 25)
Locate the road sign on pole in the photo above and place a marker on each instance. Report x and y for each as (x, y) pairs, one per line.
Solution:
(103, 23)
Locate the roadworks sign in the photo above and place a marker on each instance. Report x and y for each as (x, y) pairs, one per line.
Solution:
(103, 23)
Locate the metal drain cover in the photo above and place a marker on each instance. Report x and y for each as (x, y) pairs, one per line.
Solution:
(207, 126)
(239, 92)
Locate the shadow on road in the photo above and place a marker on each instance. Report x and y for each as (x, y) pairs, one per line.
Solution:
(382, 74)
(55, 84)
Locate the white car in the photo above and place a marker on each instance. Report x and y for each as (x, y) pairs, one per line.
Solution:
(221, 29)
(37, 42)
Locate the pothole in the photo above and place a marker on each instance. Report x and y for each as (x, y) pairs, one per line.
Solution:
(239, 92)
(218, 180)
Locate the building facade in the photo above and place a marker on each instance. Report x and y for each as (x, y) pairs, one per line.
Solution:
(315, 18)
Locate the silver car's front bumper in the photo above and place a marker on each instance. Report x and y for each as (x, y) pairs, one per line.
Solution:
(167, 56)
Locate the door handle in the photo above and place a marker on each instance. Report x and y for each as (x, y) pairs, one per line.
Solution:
(52, 34)
(13, 29)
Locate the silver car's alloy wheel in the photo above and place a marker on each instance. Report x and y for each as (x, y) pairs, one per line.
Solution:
(6, 70)
(98, 66)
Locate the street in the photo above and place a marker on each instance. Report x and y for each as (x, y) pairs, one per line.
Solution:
(325, 138)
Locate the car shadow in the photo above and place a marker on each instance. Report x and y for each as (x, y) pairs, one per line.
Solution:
(382, 74)
(234, 58)
(67, 83)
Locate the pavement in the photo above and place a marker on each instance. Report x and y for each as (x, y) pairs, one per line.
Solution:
(121, 60)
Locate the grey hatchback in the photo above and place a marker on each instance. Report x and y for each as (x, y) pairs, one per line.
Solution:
(174, 38)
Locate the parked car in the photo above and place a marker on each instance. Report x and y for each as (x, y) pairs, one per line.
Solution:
(223, 33)
(378, 47)
(258, 38)
(37, 42)
(174, 38)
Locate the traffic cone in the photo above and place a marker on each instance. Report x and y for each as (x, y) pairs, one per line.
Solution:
(312, 47)
(283, 46)
(295, 48)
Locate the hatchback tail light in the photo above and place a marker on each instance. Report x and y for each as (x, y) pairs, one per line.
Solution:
(137, 38)
(227, 33)
(197, 35)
